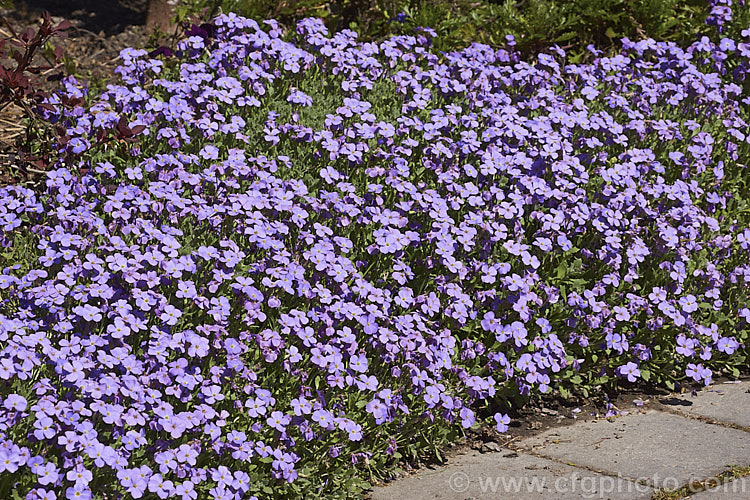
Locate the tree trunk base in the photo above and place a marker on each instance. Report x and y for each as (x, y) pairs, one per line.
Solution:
(159, 15)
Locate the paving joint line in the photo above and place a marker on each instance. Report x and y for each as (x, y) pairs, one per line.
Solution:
(661, 407)
(718, 480)
(528, 451)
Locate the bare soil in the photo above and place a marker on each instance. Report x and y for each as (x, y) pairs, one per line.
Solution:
(100, 30)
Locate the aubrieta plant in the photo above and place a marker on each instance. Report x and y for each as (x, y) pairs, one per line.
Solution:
(300, 259)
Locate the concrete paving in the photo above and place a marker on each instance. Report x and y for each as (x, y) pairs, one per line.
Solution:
(627, 457)
(509, 475)
(729, 403)
(660, 448)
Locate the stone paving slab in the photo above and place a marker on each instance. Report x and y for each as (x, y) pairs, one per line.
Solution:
(729, 403)
(664, 449)
(739, 489)
(508, 475)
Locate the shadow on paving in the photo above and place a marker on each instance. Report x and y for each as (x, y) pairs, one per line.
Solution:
(672, 441)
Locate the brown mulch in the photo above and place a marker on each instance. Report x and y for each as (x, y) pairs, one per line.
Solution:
(100, 30)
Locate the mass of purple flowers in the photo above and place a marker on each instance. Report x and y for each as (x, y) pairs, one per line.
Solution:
(320, 253)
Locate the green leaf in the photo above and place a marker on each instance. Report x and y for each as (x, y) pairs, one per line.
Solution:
(578, 282)
(562, 269)
(566, 36)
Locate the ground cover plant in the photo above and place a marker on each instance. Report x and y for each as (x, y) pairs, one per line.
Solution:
(536, 24)
(275, 265)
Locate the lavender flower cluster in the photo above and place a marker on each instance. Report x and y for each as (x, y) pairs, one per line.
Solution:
(320, 249)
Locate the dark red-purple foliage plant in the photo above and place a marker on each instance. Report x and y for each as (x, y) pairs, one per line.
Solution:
(20, 76)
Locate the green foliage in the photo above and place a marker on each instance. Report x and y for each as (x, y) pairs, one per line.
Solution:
(535, 24)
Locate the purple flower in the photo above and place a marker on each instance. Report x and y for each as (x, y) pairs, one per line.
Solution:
(47, 474)
(689, 303)
(358, 363)
(15, 402)
(163, 488)
(323, 418)
(727, 345)
(467, 418)
(78, 492)
(44, 428)
(630, 370)
(278, 421)
(502, 421)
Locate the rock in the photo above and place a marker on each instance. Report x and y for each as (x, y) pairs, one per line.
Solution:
(488, 447)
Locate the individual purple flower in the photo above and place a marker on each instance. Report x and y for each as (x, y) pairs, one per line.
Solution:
(467, 418)
(630, 370)
(78, 492)
(323, 418)
(47, 474)
(170, 315)
(15, 402)
(689, 303)
(80, 476)
(9, 460)
(621, 313)
(727, 345)
(88, 313)
(278, 421)
(502, 421)
(186, 490)
(163, 488)
(44, 428)
(358, 363)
